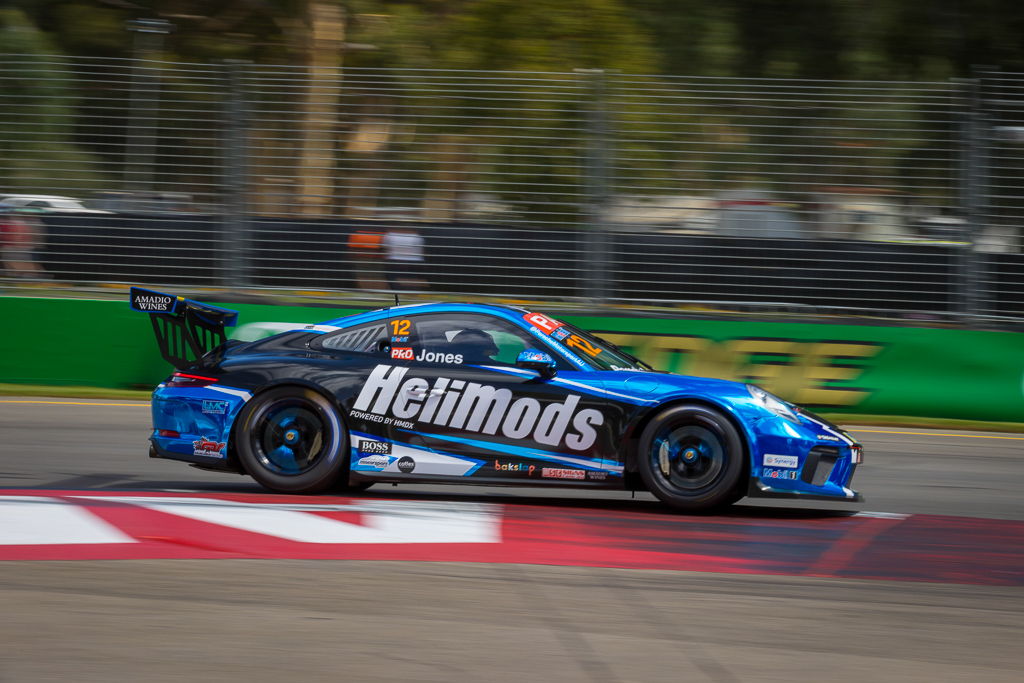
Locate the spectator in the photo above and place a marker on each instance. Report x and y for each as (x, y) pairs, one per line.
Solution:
(23, 234)
(405, 261)
(364, 247)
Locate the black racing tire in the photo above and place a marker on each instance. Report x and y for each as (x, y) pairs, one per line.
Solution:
(292, 440)
(692, 458)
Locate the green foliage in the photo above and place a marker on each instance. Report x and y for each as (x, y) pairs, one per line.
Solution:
(835, 39)
(832, 39)
(522, 136)
(544, 36)
(83, 28)
(38, 114)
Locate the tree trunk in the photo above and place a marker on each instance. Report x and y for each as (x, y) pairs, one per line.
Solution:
(322, 51)
(445, 183)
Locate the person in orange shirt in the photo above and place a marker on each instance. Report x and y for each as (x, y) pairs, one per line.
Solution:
(364, 248)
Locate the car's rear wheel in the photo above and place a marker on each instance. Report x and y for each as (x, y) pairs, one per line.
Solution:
(292, 440)
(691, 457)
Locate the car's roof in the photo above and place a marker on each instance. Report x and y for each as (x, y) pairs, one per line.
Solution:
(508, 312)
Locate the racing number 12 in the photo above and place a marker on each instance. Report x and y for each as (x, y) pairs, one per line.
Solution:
(583, 345)
(400, 327)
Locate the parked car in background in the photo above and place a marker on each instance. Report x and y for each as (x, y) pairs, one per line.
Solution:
(150, 202)
(45, 203)
(681, 214)
(758, 213)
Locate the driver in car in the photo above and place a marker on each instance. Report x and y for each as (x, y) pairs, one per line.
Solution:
(476, 346)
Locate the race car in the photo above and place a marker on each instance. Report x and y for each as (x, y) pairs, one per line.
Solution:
(476, 394)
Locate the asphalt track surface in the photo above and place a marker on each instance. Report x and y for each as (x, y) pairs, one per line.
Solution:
(930, 585)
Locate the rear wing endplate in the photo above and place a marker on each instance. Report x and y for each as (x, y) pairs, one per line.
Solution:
(186, 330)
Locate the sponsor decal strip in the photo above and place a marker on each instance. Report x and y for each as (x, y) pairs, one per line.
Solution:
(82, 525)
(210, 448)
(215, 407)
(375, 463)
(531, 453)
(772, 460)
(559, 473)
(423, 460)
(768, 473)
(153, 302)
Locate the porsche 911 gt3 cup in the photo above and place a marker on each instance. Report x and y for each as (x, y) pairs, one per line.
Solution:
(477, 394)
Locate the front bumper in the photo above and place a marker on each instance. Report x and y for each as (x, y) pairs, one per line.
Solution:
(814, 460)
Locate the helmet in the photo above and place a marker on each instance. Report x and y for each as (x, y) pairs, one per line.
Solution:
(476, 346)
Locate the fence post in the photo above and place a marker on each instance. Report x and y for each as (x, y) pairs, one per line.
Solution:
(234, 242)
(143, 103)
(596, 259)
(973, 194)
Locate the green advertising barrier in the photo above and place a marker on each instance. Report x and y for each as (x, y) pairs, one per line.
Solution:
(79, 342)
(874, 370)
(963, 374)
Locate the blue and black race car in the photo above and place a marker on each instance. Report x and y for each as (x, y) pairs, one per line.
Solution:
(478, 394)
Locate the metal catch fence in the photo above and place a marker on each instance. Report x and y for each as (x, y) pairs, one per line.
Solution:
(890, 198)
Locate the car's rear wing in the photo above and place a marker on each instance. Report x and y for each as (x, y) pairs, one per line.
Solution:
(186, 330)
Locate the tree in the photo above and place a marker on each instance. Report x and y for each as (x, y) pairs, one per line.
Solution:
(515, 135)
(38, 114)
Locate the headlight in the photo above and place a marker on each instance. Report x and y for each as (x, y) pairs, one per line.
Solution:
(772, 403)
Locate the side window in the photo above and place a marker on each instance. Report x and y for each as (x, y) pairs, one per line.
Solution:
(466, 338)
(510, 346)
(362, 338)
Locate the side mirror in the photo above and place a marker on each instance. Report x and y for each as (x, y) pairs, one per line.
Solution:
(532, 359)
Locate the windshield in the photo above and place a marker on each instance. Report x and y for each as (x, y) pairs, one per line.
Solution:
(600, 354)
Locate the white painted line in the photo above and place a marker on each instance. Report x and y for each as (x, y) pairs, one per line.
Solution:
(384, 521)
(883, 515)
(942, 434)
(37, 520)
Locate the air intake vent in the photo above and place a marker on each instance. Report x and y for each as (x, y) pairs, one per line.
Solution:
(818, 465)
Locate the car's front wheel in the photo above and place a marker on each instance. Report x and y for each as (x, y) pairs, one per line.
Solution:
(691, 457)
(292, 440)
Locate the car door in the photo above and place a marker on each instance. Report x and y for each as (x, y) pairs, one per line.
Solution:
(454, 405)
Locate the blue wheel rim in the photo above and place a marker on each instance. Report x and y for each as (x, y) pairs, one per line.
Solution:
(289, 437)
(688, 458)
